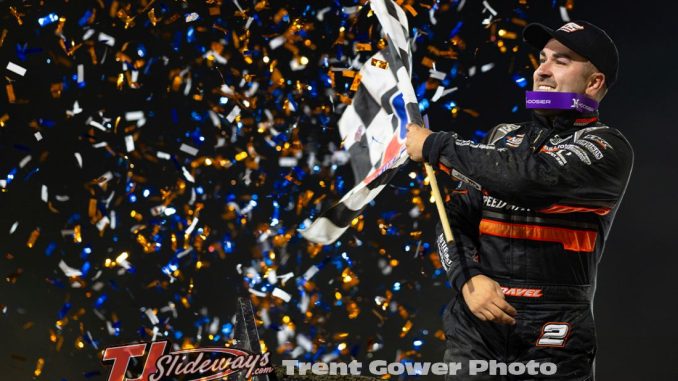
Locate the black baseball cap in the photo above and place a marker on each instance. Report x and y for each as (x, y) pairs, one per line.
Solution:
(584, 38)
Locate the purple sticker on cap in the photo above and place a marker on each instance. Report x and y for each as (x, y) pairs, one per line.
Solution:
(560, 101)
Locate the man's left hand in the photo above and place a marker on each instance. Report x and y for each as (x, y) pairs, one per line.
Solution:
(415, 141)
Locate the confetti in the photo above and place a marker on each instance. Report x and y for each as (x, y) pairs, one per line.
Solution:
(14, 68)
(173, 149)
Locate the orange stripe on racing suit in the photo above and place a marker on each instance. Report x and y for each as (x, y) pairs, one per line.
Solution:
(571, 239)
(557, 209)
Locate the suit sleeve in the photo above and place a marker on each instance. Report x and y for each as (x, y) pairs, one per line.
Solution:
(590, 170)
(460, 257)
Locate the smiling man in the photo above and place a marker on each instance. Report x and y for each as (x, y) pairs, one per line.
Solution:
(532, 214)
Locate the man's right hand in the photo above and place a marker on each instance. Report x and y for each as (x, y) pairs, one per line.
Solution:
(485, 299)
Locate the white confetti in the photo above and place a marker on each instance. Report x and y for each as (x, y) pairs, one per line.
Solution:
(97, 125)
(187, 175)
(151, 316)
(311, 272)
(296, 66)
(134, 115)
(106, 177)
(192, 226)
(271, 277)
(489, 8)
(101, 225)
(280, 294)
(285, 277)
(231, 115)
(304, 342)
(257, 293)
(277, 42)
(487, 67)
(431, 15)
(435, 74)
(564, 15)
(215, 119)
(184, 253)
(350, 10)
(129, 143)
(78, 157)
(106, 39)
(81, 73)
(253, 89)
(461, 5)
(13, 228)
(69, 271)
(188, 149)
(321, 13)
(11, 66)
(163, 155)
(287, 162)
(88, 34)
(441, 92)
(44, 196)
(24, 161)
(238, 5)
(76, 110)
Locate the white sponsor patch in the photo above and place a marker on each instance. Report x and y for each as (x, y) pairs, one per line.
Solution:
(465, 179)
(580, 153)
(444, 252)
(571, 27)
(600, 141)
(591, 148)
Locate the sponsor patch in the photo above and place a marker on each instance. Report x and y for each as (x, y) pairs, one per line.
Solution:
(571, 27)
(444, 252)
(462, 177)
(577, 151)
(522, 292)
(591, 148)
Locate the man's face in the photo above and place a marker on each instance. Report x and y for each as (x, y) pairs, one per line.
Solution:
(561, 69)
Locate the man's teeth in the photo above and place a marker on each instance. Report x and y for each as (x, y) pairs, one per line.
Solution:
(545, 88)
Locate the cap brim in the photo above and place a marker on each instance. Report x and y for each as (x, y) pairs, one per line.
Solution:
(538, 35)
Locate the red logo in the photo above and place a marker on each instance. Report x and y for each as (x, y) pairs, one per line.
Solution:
(523, 292)
(198, 364)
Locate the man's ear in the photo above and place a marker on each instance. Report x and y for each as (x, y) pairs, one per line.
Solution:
(596, 85)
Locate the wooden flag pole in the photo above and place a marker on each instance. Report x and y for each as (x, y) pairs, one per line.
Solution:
(437, 197)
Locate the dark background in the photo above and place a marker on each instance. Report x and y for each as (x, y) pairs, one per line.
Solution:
(635, 301)
(636, 282)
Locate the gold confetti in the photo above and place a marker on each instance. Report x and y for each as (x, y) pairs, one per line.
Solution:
(38, 367)
(11, 98)
(33, 237)
(2, 37)
(17, 15)
(406, 328)
(379, 63)
(152, 17)
(356, 82)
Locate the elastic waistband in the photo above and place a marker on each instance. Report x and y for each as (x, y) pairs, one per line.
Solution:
(544, 293)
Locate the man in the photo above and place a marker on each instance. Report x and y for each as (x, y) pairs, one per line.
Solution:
(532, 216)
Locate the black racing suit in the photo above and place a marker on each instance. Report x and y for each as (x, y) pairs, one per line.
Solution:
(533, 213)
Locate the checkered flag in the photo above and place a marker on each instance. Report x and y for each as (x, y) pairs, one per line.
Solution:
(373, 126)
